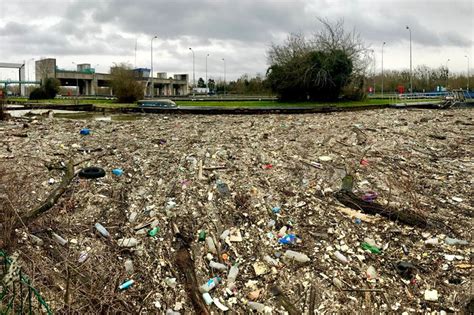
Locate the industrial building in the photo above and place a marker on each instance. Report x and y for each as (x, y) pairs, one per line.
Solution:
(90, 83)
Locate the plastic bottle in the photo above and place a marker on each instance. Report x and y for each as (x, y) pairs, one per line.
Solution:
(269, 260)
(371, 248)
(341, 257)
(153, 231)
(126, 284)
(85, 131)
(82, 257)
(455, 241)
(127, 242)
(217, 265)
(59, 239)
(210, 284)
(233, 272)
(210, 245)
(207, 298)
(102, 230)
(202, 235)
(299, 257)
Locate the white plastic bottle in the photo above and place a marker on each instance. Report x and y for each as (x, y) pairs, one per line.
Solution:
(299, 257)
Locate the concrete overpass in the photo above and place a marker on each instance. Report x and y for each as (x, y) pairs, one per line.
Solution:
(88, 82)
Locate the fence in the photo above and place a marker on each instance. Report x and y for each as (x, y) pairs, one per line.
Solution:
(18, 296)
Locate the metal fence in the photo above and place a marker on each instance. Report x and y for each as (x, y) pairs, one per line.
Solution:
(17, 296)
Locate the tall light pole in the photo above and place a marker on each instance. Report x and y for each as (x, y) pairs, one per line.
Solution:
(467, 72)
(206, 69)
(411, 79)
(383, 44)
(151, 72)
(373, 70)
(224, 74)
(194, 73)
(447, 73)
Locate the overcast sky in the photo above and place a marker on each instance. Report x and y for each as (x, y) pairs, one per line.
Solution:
(105, 31)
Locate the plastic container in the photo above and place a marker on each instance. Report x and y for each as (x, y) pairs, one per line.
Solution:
(217, 265)
(299, 257)
(102, 230)
(210, 284)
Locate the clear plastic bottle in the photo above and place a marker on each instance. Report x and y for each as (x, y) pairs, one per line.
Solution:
(341, 257)
(210, 245)
(299, 257)
(217, 265)
(233, 272)
(210, 284)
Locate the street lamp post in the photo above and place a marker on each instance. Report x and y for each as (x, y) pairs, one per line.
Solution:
(447, 73)
(383, 44)
(206, 69)
(194, 73)
(411, 79)
(77, 84)
(373, 70)
(224, 74)
(467, 72)
(151, 72)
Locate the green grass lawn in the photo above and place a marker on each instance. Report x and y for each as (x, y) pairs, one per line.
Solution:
(105, 103)
(244, 104)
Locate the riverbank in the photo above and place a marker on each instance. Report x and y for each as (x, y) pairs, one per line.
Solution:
(270, 180)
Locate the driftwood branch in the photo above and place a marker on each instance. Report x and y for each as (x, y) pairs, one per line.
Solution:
(186, 266)
(411, 218)
(53, 197)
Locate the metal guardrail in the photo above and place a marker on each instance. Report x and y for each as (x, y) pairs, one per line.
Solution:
(19, 297)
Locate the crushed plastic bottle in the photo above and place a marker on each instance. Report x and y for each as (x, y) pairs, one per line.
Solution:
(271, 261)
(287, 239)
(299, 257)
(210, 284)
(127, 242)
(102, 230)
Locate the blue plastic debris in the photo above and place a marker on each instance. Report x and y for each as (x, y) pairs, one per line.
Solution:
(288, 239)
(85, 131)
(117, 171)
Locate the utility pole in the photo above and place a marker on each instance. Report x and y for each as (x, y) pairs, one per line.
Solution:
(467, 72)
(224, 74)
(194, 73)
(206, 69)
